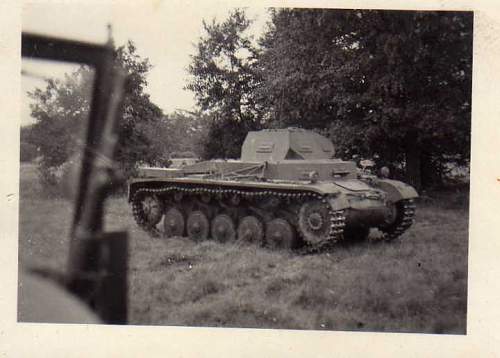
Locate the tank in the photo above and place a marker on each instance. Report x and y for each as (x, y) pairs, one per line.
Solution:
(286, 191)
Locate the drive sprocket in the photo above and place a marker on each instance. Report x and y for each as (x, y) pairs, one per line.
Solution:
(319, 225)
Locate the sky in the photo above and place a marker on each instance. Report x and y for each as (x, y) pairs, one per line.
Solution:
(164, 32)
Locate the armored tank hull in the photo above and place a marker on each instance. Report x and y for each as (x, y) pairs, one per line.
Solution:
(286, 191)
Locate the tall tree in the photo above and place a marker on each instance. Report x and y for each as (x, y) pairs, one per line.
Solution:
(300, 61)
(61, 108)
(393, 82)
(134, 146)
(223, 79)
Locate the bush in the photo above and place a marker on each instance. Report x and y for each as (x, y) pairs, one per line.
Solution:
(60, 180)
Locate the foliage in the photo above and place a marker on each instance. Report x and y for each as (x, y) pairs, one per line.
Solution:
(301, 54)
(61, 110)
(224, 139)
(392, 82)
(135, 145)
(175, 134)
(223, 78)
(28, 152)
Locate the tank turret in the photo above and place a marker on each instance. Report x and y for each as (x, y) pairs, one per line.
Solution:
(285, 144)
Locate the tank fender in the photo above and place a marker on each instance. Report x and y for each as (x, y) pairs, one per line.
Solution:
(338, 202)
(396, 190)
(135, 184)
(131, 188)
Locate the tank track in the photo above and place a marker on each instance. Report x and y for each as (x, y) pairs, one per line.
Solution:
(404, 221)
(337, 217)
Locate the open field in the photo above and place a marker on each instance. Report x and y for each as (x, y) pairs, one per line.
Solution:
(416, 284)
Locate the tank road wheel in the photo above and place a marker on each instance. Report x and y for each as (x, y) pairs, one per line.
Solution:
(197, 226)
(400, 220)
(251, 230)
(315, 222)
(173, 223)
(223, 229)
(280, 234)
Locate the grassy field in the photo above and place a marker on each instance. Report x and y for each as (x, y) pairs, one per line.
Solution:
(416, 284)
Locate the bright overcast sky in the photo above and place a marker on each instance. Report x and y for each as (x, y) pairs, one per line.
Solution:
(163, 31)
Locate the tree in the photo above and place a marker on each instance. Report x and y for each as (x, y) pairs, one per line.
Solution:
(223, 79)
(61, 110)
(394, 83)
(177, 133)
(301, 56)
(134, 146)
(224, 139)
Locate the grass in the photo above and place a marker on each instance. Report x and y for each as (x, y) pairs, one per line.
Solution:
(415, 284)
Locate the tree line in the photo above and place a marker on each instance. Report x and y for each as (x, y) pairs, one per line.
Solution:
(391, 84)
(147, 135)
(395, 84)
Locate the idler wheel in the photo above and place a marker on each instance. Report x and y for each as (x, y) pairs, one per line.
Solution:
(152, 210)
(314, 221)
(173, 223)
(251, 230)
(223, 229)
(280, 234)
(197, 226)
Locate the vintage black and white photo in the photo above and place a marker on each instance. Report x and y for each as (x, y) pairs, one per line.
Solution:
(279, 168)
